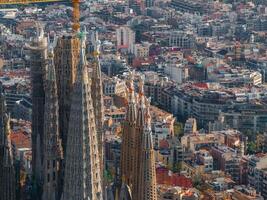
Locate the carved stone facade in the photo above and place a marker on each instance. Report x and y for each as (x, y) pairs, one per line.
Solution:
(147, 186)
(137, 153)
(128, 137)
(52, 143)
(82, 178)
(66, 60)
(37, 52)
(7, 172)
(97, 96)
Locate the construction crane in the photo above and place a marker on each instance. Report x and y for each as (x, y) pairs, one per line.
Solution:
(75, 5)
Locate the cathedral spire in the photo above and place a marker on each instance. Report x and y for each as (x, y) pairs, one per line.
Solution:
(140, 123)
(147, 188)
(97, 97)
(82, 62)
(128, 136)
(82, 168)
(141, 105)
(7, 172)
(52, 144)
(131, 110)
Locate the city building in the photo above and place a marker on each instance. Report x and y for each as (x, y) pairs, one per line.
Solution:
(250, 116)
(162, 125)
(204, 158)
(81, 123)
(194, 142)
(22, 110)
(113, 86)
(245, 193)
(190, 126)
(141, 50)
(188, 6)
(125, 39)
(227, 160)
(181, 39)
(257, 173)
(149, 3)
(177, 72)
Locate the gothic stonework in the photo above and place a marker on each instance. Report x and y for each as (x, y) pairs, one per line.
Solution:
(52, 143)
(128, 138)
(82, 179)
(66, 60)
(97, 96)
(147, 186)
(37, 62)
(138, 163)
(7, 173)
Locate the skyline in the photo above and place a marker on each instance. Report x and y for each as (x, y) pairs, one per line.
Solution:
(133, 100)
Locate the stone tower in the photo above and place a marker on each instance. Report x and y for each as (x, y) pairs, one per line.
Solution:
(82, 178)
(137, 153)
(37, 52)
(7, 172)
(147, 186)
(97, 96)
(140, 124)
(128, 137)
(66, 59)
(51, 141)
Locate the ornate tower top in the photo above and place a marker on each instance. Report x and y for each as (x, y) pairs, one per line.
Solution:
(51, 143)
(148, 115)
(81, 70)
(147, 189)
(141, 105)
(82, 172)
(131, 109)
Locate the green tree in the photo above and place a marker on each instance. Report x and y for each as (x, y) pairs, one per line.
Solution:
(197, 181)
(178, 129)
(252, 147)
(177, 167)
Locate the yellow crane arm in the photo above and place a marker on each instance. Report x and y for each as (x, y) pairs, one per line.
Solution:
(8, 2)
(75, 5)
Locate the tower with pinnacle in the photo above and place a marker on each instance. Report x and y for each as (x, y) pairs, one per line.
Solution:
(128, 137)
(51, 142)
(147, 186)
(7, 172)
(97, 96)
(139, 129)
(137, 153)
(82, 179)
(37, 52)
(66, 59)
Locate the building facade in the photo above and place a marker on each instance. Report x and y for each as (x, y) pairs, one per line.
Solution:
(53, 154)
(7, 171)
(125, 38)
(82, 177)
(66, 58)
(37, 52)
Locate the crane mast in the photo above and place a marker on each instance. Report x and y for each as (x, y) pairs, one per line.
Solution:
(75, 12)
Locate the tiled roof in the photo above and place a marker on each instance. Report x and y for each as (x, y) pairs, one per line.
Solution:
(21, 139)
